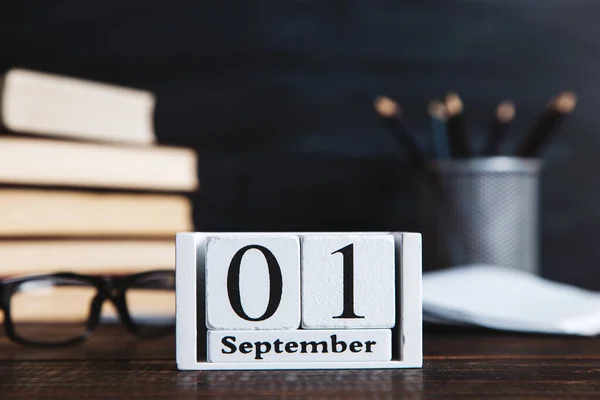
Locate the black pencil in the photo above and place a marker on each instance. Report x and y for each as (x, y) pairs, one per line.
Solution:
(458, 136)
(439, 136)
(546, 124)
(501, 122)
(391, 114)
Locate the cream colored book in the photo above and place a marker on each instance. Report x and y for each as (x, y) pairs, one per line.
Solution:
(55, 213)
(91, 257)
(40, 302)
(53, 105)
(26, 161)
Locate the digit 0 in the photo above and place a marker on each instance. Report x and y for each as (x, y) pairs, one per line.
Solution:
(275, 283)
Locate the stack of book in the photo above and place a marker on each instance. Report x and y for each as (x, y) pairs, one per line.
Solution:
(83, 186)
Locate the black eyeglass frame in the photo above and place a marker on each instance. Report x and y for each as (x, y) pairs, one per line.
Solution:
(112, 288)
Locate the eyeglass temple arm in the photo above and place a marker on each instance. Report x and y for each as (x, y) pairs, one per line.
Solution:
(2, 291)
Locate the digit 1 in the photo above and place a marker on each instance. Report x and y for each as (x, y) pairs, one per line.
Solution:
(275, 283)
(348, 254)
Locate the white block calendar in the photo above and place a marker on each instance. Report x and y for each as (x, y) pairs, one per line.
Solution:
(298, 300)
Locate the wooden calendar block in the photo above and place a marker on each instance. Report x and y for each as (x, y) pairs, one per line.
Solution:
(348, 281)
(232, 280)
(252, 282)
(358, 345)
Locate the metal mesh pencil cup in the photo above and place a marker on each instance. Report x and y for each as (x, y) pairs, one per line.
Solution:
(482, 210)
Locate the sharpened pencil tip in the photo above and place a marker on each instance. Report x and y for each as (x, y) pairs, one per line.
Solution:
(437, 110)
(386, 107)
(505, 112)
(454, 104)
(565, 102)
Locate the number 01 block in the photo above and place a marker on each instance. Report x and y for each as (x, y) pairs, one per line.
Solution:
(242, 298)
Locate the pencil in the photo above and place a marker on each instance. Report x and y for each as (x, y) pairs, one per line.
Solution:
(391, 114)
(439, 137)
(458, 137)
(546, 123)
(503, 118)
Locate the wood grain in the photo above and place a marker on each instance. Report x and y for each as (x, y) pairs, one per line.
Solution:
(459, 363)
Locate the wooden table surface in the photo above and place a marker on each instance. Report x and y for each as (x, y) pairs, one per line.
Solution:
(459, 363)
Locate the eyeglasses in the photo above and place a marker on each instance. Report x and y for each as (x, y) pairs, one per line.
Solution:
(65, 308)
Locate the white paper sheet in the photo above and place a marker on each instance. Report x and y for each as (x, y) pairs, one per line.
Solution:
(509, 299)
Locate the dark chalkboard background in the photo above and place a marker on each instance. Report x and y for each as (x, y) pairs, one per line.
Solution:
(276, 95)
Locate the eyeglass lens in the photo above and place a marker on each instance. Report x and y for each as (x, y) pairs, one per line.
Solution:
(151, 302)
(51, 309)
